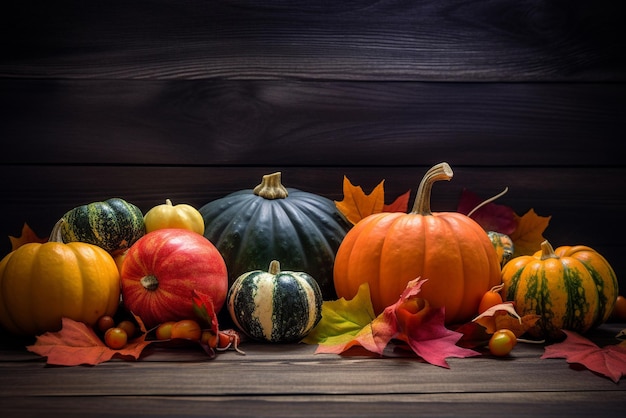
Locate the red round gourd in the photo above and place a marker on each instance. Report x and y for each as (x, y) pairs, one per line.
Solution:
(450, 250)
(161, 270)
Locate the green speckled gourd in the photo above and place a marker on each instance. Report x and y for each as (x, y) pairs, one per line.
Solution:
(275, 306)
(252, 227)
(572, 288)
(113, 225)
(504, 246)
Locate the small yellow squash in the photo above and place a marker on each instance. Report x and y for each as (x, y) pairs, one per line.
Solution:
(180, 216)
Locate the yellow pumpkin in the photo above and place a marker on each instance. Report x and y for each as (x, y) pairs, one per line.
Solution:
(42, 283)
(181, 216)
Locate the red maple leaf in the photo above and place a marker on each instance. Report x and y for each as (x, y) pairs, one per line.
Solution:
(491, 216)
(78, 344)
(203, 308)
(421, 326)
(609, 361)
(401, 204)
(411, 320)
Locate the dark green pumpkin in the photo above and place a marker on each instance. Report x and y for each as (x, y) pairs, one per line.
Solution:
(114, 225)
(252, 227)
(275, 306)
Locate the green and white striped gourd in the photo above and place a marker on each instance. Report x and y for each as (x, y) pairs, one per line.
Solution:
(275, 306)
(113, 224)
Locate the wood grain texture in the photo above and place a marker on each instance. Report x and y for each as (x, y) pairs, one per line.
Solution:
(294, 123)
(542, 404)
(496, 40)
(297, 382)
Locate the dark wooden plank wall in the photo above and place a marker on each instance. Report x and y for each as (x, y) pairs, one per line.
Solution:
(191, 100)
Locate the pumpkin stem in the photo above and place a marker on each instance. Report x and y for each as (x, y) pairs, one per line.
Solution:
(274, 268)
(441, 171)
(149, 282)
(271, 187)
(547, 251)
(168, 202)
(55, 235)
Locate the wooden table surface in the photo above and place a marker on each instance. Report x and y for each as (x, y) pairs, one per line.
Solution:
(291, 380)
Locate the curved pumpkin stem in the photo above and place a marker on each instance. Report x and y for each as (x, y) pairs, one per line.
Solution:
(55, 235)
(547, 251)
(441, 171)
(271, 187)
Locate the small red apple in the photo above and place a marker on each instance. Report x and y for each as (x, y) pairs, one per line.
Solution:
(162, 268)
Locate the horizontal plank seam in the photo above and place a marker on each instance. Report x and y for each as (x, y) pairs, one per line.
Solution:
(139, 165)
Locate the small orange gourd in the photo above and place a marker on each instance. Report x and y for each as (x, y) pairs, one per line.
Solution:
(448, 249)
(491, 298)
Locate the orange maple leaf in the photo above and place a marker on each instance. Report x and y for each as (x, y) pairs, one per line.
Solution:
(527, 237)
(356, 205)
(77, 344)
(28, 236)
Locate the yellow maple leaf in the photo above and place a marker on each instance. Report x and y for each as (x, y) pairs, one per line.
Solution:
(28, 235)
(528, 235)
(357, 205)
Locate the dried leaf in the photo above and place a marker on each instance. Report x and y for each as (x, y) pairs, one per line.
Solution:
(519, 328)
(527, 237)
(491, 216)
(473, 335)
(488, 318)
(28, 236)
(202, 305)
(204, 309)
(356, 205)
(609, 361)
(477, 332)
(77, 344)
(401, 204)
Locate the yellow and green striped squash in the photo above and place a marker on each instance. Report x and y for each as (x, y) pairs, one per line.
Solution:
(571, 288)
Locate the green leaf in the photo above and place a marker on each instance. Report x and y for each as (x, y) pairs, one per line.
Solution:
(343, 319)
(411, 320)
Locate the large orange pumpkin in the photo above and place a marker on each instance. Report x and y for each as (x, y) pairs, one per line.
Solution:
(450, 250)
